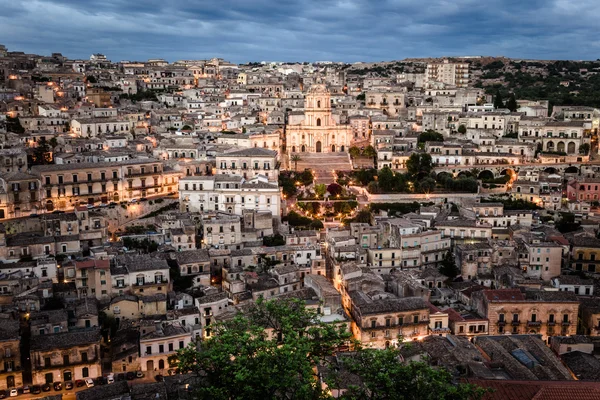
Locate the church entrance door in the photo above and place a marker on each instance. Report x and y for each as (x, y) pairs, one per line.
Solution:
(318, 147)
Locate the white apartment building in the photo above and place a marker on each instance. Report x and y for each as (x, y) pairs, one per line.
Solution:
(249, 163)
(229, 193)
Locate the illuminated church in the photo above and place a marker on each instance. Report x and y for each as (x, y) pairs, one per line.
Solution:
(318, 132)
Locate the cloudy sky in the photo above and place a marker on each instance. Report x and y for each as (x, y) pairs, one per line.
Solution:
(302, 30)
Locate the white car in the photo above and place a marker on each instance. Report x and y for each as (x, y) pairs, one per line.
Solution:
(110, 379)
(89, 382)
(14, 393)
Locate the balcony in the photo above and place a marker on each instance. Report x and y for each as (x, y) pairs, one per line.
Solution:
(551, 323)
(566, 323)
(139, 173)
(534, 323)
(501, 323)
(515, 323)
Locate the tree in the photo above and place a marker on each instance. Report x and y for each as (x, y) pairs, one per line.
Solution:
(334, 189)
(385, 178)
(361, 96)
(584, 149)
(430, 136)
(383, 376)
(462, 129)
(53, 143)
(363, 216)
(448, 265)
(320, 189)
(373, 188)
(295, 158)
(268, 353)
(498, 103)
(41, 154)
(369, 151)
(418, 165)
(511, 103)
(14, 125)
(426, 185)
(354, 151)
(91, 79)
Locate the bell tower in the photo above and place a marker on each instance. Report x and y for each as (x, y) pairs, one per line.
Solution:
(317, 106)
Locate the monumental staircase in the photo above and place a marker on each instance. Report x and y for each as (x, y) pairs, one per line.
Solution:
(323, 165)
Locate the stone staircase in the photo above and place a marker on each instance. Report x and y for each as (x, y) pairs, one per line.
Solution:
(323, 165)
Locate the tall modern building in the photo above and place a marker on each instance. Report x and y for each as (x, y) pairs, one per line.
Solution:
(450, 73)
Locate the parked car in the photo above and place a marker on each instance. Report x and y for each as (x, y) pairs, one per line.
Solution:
(57, 386)
(26, 389)
(143, 199)
(68, 385)
(133, 201)
(110, 379)
(120, 377)
(3, 394)
(14, 392)
(46, 387)
(36, 389)
(90, 206)
(89, 382)
(130, 376)
(159, 378)
(79, 382)
(103, 205)
(139, 374)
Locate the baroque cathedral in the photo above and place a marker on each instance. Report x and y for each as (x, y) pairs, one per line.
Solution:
(318, 132)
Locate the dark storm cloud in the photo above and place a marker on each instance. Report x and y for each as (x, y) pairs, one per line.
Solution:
(284, 30)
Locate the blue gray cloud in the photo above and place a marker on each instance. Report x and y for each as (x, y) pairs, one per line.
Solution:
(306, 30)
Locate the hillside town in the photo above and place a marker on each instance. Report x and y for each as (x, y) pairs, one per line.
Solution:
(144, 202)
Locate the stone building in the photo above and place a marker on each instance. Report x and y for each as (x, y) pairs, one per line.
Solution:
(547, 313)
(11, 375)
(64, 357)
(384, 320)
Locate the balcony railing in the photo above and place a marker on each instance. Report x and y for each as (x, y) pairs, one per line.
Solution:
(534, 323)
(516, 323)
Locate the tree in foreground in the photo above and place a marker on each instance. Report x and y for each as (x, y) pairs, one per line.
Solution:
(272, 351)
(381, 375)
(268, 353)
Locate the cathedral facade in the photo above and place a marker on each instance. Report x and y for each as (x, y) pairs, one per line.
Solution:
(318, 132)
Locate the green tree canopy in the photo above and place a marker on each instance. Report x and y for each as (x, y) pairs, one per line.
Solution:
(430, 136)
(448, 265)
(369, 151)
(383, 376)
(511, 103)
(462, 129)
(385, 178)
(354, 151)
(419, 165)
(272, 351)
(498, 102)
(268, 353)
(320, 189)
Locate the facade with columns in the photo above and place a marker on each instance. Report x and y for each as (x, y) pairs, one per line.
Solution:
(318, 132)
